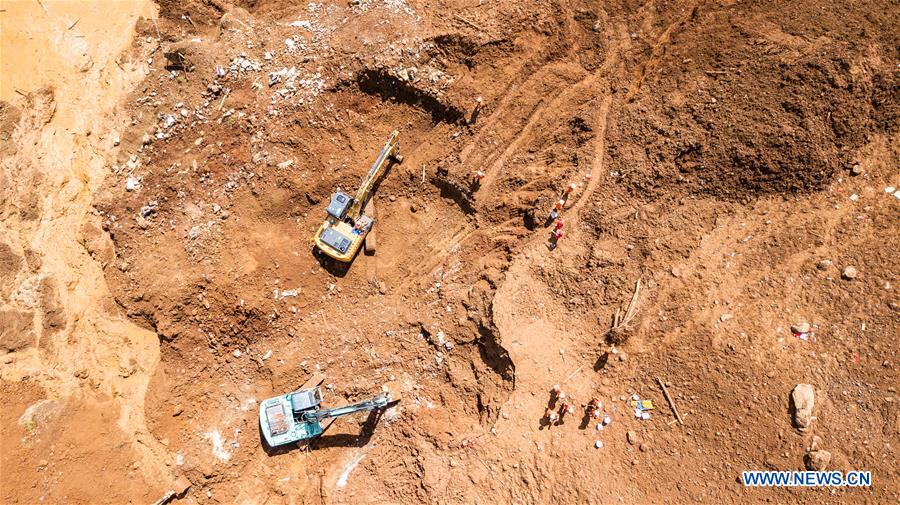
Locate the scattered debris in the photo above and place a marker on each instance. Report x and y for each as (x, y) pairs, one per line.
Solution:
(149, 209)
(804, 331)
(641, 407)
(670, 400)
(621, 321)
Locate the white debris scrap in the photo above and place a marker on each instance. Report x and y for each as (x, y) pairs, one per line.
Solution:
(345, 474)
(132, 183)
(218, 445)
(242, 64)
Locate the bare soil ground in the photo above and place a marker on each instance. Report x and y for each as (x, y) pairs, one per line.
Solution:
(733, 157)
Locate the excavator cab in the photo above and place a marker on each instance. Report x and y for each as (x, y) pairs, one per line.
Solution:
(346, 225)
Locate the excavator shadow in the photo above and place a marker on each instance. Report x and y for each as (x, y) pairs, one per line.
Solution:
(350, 440)
(330, 265)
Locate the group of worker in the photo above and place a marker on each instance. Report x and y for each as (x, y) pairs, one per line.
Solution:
(561, 404)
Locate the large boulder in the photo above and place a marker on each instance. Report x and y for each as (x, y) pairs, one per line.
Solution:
(818, 460)
(803, 398)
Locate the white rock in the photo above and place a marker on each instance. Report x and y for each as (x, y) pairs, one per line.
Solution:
(132, 183)
(803, 397)
(849, 273)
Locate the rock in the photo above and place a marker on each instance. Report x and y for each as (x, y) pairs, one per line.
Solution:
(181, 485)
(132, 183)
(824, 265)
(800, 328)
(412, 207)
(142, 223)
(631, 437)
(849, 273)
(598, 26)
(146, 139)
(803, 398)
(224, 214)
(725, 317)
(392, 198)
(818, 460)
(16, 330)
(644, 447)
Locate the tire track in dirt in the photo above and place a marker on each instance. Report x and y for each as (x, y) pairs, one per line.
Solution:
(532, 119)
(658, 50)
(560, 94)
(597, 164)
(534, 116)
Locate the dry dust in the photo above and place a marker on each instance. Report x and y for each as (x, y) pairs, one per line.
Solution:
(162, 178)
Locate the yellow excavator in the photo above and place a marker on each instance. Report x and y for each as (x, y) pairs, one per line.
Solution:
(346, 223)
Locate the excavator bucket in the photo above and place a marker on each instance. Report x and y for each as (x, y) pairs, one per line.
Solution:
(371, 242)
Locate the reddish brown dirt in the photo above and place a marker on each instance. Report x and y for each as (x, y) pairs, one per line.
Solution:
(56, 452)
(711, 143)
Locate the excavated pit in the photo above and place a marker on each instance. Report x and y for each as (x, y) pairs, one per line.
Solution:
(388, 87)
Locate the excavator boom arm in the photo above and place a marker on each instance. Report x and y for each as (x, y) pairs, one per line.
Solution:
(369, 180)
(370, 404)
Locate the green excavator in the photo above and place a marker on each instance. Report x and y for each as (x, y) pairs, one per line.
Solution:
(297, 416)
